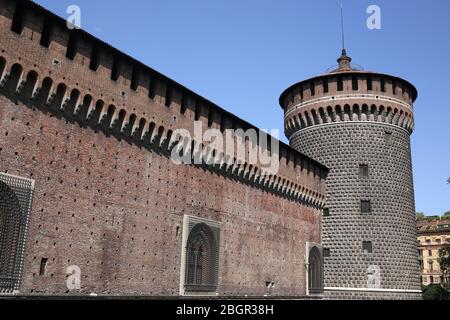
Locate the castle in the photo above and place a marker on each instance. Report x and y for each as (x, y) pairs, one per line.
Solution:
(91, 201)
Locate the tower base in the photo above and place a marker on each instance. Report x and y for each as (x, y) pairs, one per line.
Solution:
(368, 294)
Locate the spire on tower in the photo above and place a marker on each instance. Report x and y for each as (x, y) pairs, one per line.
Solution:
(344, 60)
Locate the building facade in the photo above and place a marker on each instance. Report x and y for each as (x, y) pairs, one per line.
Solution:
(432, 234)
(359, 123)
(92, 201)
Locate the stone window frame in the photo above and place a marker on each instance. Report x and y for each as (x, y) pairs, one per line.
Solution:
(21, 191)
(209, 232)
(314, 261)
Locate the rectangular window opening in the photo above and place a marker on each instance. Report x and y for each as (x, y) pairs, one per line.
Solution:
(365, 206)
(363, 170)
(340, 84)
(43, 267)
(326, 252)
(326, 212)
(134, 78)
(115, 69)
(325, 85)
(367, 246)
(369, 83)
(354, 83)
(312, 88)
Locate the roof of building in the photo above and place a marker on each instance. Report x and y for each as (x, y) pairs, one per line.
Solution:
(433, 225)
(346, 67)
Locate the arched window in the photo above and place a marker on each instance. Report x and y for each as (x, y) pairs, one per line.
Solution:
(11, 228)
(201, 259)
(315, 271)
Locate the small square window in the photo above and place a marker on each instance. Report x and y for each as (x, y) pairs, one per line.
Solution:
(363, 170)
(367, 246)
(326, 252)
(388, 137)
(326, 212)
(365, 206)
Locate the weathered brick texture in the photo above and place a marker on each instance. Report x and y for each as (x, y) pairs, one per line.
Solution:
(347, 119)
(107, 196)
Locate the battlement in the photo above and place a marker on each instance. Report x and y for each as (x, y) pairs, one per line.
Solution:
(78, 77)
(324, 99)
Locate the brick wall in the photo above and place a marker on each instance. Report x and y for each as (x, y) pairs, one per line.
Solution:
(107, 197)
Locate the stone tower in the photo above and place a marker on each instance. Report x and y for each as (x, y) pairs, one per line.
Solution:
(358, 124)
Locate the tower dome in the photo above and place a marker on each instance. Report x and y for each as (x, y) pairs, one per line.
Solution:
(358, 124)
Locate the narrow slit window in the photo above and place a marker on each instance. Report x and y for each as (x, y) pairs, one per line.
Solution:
(93, 64)
(43, 267)
(134, 78)
(354, 83)
(312, 88)
(169, 92)
(340, 84)
(369, 83)
(325, 85)
(383, 85)
(115, 69)
(388, 137)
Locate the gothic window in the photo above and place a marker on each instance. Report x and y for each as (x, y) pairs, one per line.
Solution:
(315, 271)
(15, 204)
(201, 259)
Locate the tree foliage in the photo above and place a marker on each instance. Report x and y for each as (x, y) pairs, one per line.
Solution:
(444, 262)
(420, 215)
(435, 292)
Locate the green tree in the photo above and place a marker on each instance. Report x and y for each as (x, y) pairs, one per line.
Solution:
(420, 215)
(435, 292)
(444, 262)
(447, 214)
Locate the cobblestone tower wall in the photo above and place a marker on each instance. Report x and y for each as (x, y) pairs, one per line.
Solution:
(359, 125)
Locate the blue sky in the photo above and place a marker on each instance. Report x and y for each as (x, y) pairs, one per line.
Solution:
(243, 54)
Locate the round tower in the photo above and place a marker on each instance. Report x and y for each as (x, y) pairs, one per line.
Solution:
(359, 123)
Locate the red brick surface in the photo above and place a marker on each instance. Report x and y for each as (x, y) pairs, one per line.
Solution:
(115, 208)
